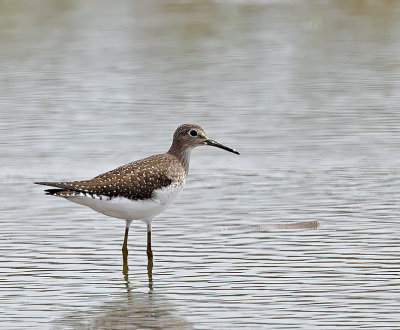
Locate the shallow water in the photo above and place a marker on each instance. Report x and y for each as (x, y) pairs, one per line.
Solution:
(307, 91)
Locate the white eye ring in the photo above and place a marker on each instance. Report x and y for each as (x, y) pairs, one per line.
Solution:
(193, 133)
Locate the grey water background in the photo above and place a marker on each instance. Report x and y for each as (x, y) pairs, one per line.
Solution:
(307, 91)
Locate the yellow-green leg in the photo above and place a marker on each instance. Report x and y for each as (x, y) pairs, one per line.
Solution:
(125, 248)
(149, 257)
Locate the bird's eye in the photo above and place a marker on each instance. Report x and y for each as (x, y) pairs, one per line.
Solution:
(193, 132)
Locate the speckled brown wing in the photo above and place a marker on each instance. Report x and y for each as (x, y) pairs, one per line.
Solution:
(135, 181)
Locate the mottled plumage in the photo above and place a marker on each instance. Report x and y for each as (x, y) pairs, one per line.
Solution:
(135, 181)
(138, 190)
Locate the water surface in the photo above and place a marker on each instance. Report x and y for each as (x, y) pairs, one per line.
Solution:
(307, 91)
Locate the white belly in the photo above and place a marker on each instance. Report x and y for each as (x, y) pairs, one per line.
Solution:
(127, 209)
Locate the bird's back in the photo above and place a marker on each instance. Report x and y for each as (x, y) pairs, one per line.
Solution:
(135, 181)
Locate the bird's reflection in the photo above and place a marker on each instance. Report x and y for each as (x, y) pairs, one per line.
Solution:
(130, 309)
(127, 285)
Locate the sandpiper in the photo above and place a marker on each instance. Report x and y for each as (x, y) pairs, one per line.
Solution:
(139, 190)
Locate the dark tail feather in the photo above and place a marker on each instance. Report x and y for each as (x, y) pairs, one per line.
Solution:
(53, 191)
(52, 184)
(50, 191)
(62, 189)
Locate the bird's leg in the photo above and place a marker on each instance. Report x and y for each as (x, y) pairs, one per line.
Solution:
(149, 256)
(125, 248)
(149, 251)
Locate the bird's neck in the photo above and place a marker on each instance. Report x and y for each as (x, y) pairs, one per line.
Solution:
(182, 153)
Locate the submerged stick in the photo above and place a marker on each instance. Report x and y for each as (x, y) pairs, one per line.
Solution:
(283, 226)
